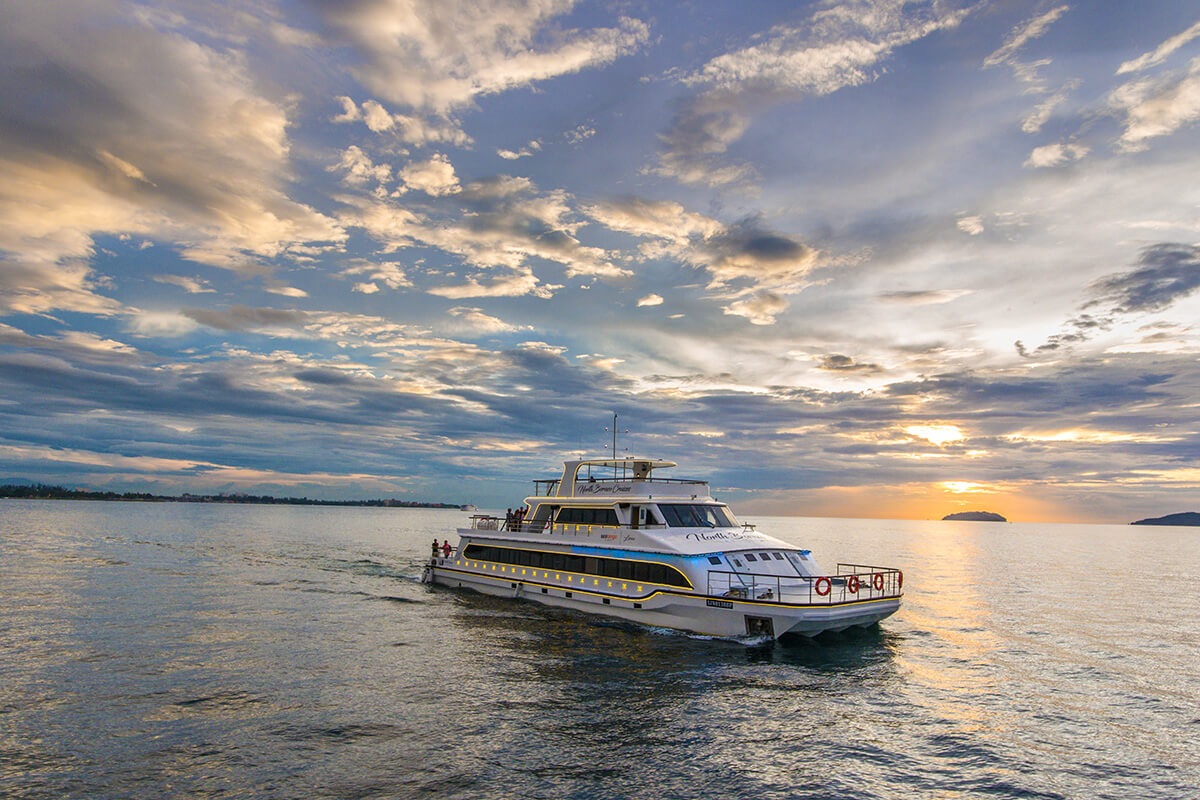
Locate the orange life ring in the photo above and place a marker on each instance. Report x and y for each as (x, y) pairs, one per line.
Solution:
(852, 584)
(900, 574)
(877, 581)
(828, 586)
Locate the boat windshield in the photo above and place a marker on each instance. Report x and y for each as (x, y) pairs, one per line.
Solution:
(696, 515)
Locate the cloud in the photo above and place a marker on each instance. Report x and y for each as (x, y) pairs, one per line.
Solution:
(388, 273)
(760, 307)
(434, 176)
(1160, 53)
(189, 285)
(1051, 155)
(579, 133)
(38, 287)
(507, 283)
(78, 345)
(438, 55)
(926, 297)
(1022, 34)
(836, 362)
(1077, 330)
(414, 130)
(474, 320)
(838, 47)
(1153, 108)
(972, 226)
(377, 117)
(359, 168)
(762, 258)
(526, 151)
(483, 192)
(653, 218)
(160, 324)
(283, 290)
(245, 318)
(1165, 273)
(1035, 119)
(650, 300)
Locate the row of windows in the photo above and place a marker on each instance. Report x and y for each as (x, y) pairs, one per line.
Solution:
(676, 515)
(588, 565)
(587, 516)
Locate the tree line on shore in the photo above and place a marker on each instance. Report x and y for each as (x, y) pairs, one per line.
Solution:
(45, 492)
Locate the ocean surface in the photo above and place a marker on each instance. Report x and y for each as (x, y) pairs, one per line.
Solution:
(186, 650)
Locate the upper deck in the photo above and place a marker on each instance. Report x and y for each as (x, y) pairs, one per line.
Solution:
(620, 477)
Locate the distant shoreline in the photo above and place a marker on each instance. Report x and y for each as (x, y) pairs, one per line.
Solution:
(40, 492)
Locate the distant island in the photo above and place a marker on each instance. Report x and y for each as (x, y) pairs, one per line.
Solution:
(1190, 518)
(41, 492)
(975, 516)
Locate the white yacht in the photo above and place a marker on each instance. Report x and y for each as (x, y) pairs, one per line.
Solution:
(612, 537)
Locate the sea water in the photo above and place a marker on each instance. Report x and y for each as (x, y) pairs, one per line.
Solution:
(196, 650)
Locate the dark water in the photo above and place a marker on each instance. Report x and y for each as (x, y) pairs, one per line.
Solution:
(175, 650)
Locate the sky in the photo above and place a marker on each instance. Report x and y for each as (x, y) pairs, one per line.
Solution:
(861, 258)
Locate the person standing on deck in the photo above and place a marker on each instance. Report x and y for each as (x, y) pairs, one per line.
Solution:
(508, 520)
(435, 548)
(446, 548)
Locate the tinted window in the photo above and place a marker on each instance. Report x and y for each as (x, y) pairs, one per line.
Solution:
(765, 556)
(714, 560)
(671, 515)
(587, 516)
(778, 556)
(680, 515)
(750, 557)
(675, 578)
(609, 567)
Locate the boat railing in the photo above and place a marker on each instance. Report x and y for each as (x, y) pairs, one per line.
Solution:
(852, 582)
(440, 559)
(643, 480)
(484, 522)
(547, 487)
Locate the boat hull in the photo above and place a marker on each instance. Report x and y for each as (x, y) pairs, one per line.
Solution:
(680, 610)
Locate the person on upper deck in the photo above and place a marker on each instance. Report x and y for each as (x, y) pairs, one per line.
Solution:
(435, 548)
(508, 520)
(446, 548)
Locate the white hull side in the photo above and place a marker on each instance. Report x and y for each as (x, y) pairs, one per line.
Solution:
(682, 612)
